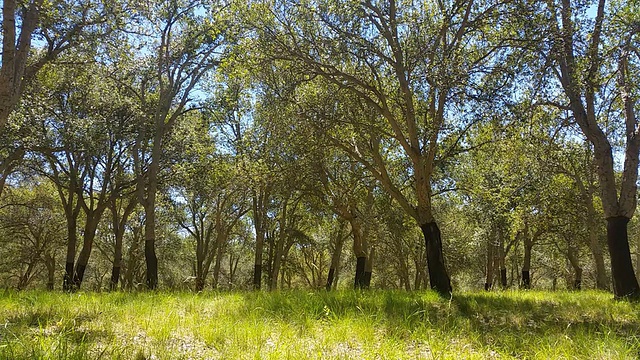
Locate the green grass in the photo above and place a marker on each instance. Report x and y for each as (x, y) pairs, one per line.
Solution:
(318, 325)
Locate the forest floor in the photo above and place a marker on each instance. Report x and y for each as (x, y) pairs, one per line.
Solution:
(318, 325)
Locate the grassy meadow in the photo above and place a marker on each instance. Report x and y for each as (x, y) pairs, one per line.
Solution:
(318, 325)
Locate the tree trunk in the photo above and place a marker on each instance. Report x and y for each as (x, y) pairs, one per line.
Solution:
(602, 282)
(335, 258)
(131, 260)
(368, 268)
(526, 265)
(359, 278)
(50, 263)
(150, 257)
(259, 228)
(218, 262)
(71, 213)
(72, 239)
(625, 284)
(438, 275)
(575, 264)
(83, 259)
(360, 252)
(488, 283)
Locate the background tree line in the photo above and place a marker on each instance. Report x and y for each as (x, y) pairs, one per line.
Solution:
(277, 144)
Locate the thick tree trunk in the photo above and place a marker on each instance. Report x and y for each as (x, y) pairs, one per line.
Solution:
(625, 284)
(438, 276)
(526, 265)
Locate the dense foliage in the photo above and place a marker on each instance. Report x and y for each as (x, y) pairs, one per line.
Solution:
(192, 144)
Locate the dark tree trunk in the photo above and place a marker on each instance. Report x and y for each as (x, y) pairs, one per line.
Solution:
(359, 279)
(438, 276)
(526, 279)
(87, 246)
(503, 278)
(152, 264)
(257, 276)
(335, 258)
(67, 281)
(78, 275)
(526, 265)
(625, 284)
(330, 279)
(488, 286)
(367, 279)
(577, 283)
(117, 261)
(199, 283)
(115, 277)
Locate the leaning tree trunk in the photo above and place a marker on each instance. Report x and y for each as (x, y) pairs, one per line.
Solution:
(335, 259)
(526, 265)
(83, 259)
(438, 276)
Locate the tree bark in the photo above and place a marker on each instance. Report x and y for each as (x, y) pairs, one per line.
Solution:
(575, 264)
(359, 251)
(438, 276)
(258, 222)
(602, 282)
(488, 283)
(335, 258)
(50, 263)
(368, 268)
(151, 260)
(67, 282)
(526, 265)
(83, 258)
(625, 284)
(358, 283)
